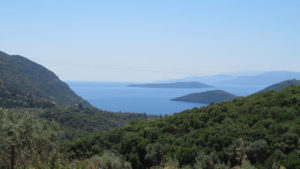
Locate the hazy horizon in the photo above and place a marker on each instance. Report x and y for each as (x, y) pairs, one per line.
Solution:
(146, 41)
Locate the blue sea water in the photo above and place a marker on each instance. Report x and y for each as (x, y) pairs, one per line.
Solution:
(118, 97)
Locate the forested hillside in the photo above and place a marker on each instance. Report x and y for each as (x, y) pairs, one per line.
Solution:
(28, 84)
(259, 131)
(38, 112)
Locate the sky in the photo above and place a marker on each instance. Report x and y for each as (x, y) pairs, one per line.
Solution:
(148, 40)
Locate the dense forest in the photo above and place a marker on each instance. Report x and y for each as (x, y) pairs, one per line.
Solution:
(259, 131)
(77, 121)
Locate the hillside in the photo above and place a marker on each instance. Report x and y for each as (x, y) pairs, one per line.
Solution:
(27, 84)
(172, 85)
(281, 85)
(213, 96)
(260, 131)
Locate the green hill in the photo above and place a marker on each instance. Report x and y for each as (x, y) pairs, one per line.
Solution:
(261, 130)
(27, 84)
(213, 96)
(281, 85)
(172, 85)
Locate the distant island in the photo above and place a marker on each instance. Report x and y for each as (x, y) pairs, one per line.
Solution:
(281, 85)
(213, 96)
(172, 85)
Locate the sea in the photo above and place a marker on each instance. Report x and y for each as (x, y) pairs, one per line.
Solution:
(119, 97)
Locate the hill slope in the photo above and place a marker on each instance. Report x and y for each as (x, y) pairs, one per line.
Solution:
(26, 86)
(281, 85)
(172, 85)
(263, 128)
(31, 83)
(213, 96)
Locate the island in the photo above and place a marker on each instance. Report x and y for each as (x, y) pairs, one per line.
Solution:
(172, 85)
(213, 96)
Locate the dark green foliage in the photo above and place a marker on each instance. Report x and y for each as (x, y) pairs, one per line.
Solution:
(9, 100)
(34, 139)
(281, 85)
(37, 140)
(210, 137)
(172, 85)
(213, 96)
(77, 122)
(28, 84)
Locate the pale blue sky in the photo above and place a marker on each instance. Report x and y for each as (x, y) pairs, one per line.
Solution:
(147, 40)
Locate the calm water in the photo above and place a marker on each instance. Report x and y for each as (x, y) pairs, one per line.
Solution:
(118, 97)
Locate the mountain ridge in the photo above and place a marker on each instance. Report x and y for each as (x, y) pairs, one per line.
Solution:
(265, 78)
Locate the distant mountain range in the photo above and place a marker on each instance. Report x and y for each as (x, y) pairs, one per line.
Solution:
(213, 96)
(267, 78)
(172, 85)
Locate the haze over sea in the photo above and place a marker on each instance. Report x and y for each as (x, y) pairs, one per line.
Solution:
(118, 97)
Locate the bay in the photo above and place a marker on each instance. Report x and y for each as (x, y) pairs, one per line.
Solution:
(118, 97)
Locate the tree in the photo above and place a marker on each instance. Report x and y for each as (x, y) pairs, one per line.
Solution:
(34, 139)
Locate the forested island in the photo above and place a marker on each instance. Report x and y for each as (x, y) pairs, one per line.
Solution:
(207, 97)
